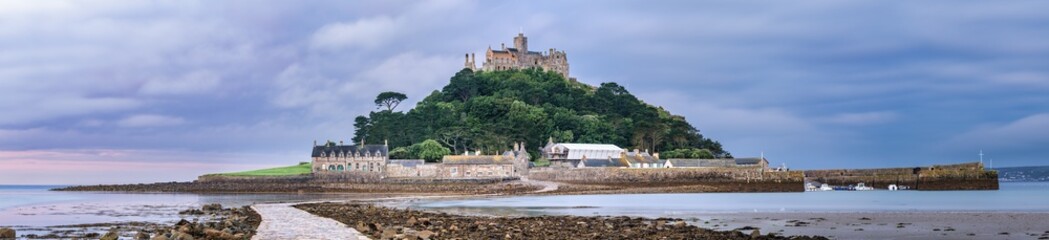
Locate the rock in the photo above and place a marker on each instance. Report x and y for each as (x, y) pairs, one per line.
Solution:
(159, 237)
(211, 233)
(411, 221)
(361, 227)
(181, 236)
(6, 233)
(214, 207)
(111, 235)
(680, 224)
(389, 233)
(374, 227)
(142, 236)
(426, 234)
(453, 228)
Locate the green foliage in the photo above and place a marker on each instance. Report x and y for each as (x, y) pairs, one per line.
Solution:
(688, 153)
(280, 171)
(390, 100)
(492, 109)
(429, 150)
(400, 153)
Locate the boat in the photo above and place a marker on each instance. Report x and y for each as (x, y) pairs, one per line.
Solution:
(810, 188)
(893, 187)
(825, 187)
(862, 187)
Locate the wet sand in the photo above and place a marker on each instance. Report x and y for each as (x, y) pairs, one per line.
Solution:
(889, 225)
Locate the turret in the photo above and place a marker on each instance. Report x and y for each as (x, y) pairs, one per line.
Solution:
(521, 43)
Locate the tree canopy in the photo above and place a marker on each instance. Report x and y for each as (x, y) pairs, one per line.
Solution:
(490, 110)
(389, 100)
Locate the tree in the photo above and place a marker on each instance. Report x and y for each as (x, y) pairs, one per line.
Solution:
(430, 150)
(400, 153)
(390, 100)
(488, 110)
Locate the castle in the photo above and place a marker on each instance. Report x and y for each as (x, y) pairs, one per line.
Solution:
(518, 57)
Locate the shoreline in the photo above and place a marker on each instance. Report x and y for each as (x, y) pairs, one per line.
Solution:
(385, 222)
(832, 224)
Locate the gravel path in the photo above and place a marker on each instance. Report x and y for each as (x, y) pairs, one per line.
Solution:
(282, 221)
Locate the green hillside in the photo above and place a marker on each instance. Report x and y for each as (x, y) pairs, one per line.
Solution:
(489, 110)
(302, 168)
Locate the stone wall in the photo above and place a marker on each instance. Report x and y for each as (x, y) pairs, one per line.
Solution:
(323, 183)
(663, 175)
(966, 176)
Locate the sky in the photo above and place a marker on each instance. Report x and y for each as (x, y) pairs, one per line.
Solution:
(145, 91)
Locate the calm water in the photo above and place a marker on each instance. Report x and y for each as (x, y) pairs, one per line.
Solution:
(36, 206)
(1013, 197)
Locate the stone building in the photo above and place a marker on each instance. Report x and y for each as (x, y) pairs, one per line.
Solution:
(761, 163)
(339, 158)
(519, 57)
(570, 155)
(638, 159)
(513, 163)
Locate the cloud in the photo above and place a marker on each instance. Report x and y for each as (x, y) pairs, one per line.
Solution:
(1024, 134)
(364, 33)
(150, 120)
(100, 166)
(411, 73)
(194, 82)
(863, 118)
(21, 108)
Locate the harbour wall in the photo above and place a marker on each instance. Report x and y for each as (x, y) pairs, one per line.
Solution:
(719, 179)
(965, 176)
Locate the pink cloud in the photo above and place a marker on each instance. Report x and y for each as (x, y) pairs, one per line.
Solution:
(98, 166)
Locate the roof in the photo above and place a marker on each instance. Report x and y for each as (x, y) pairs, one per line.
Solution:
(476, 159)
(329, 150)
(406, 162)
(721, 162)
(748, 161)
(692, 162)
(631, 157)
(600, 163)
(590, 151)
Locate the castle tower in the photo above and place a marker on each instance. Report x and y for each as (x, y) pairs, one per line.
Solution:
(470, 62)
(521, 43)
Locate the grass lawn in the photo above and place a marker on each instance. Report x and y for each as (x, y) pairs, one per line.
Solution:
(279, 171)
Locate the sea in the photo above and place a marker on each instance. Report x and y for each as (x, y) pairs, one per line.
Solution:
(1024, 197)
(37, 206)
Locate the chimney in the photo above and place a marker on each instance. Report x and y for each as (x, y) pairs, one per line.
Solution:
(340, 143)
(315, 142)
(655, 155)
(386, 142)
(503, 45)
(637, 152)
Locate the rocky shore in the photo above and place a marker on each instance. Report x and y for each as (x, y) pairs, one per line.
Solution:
(211, 221)
(389, 223)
